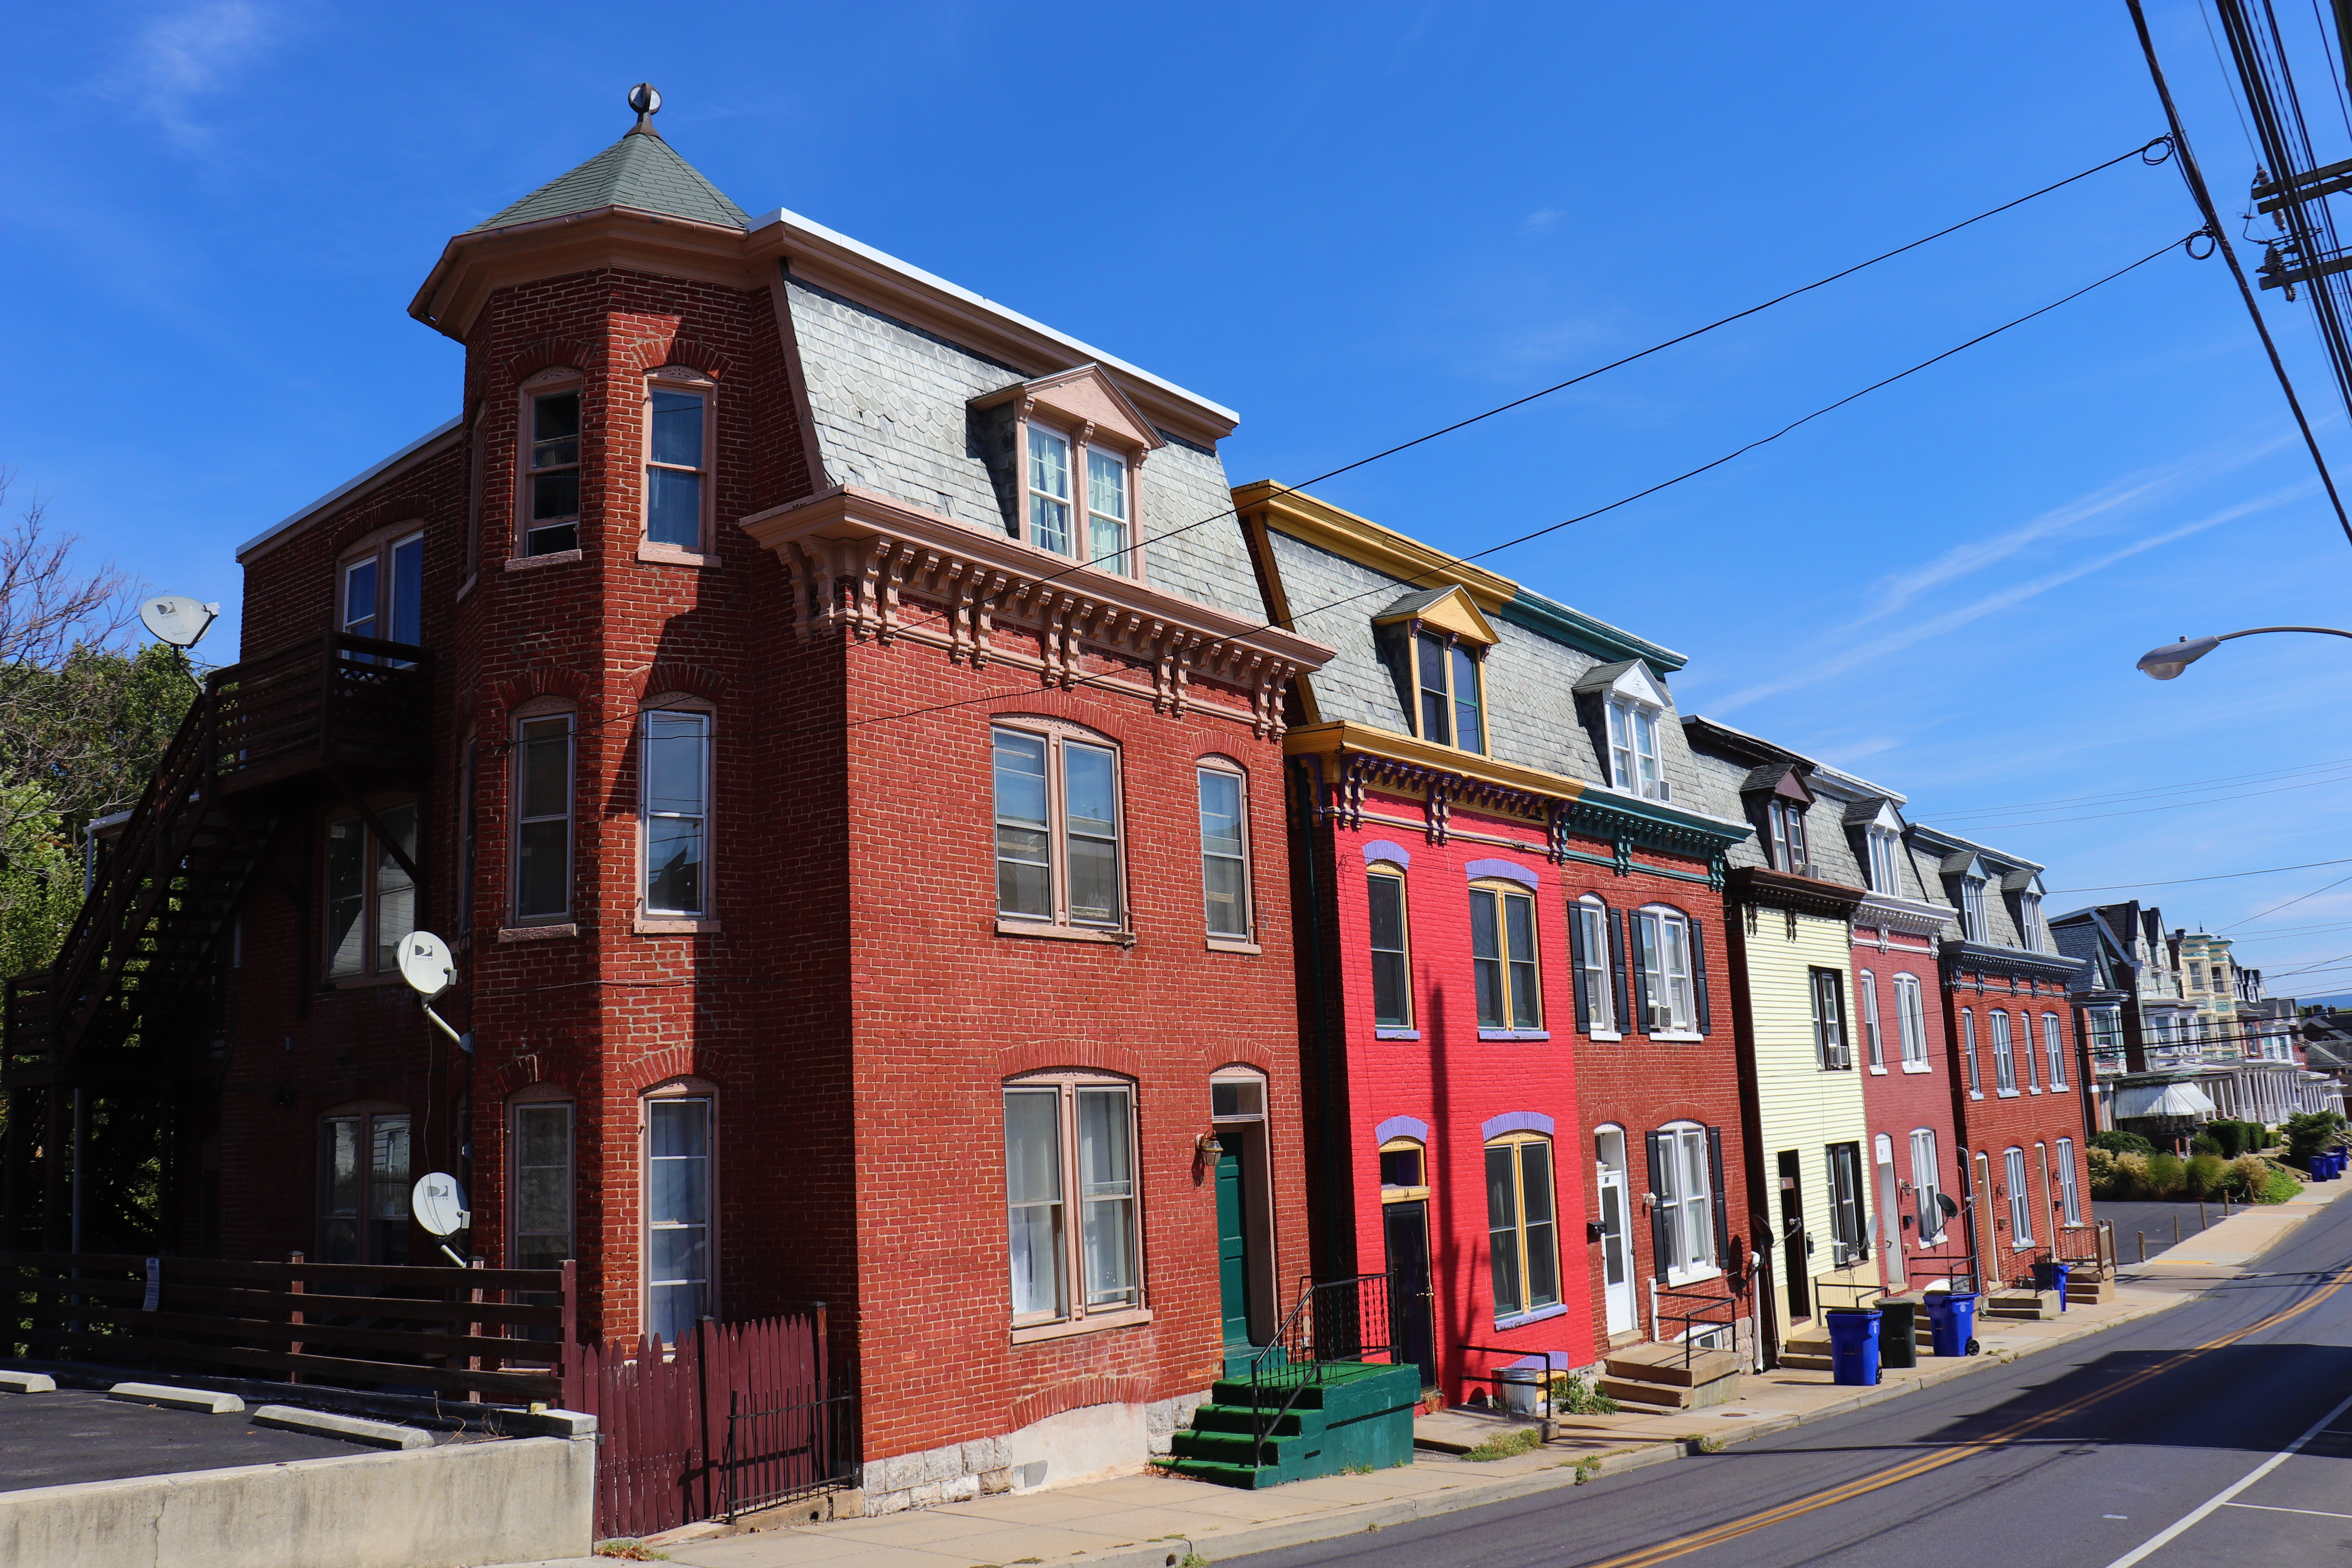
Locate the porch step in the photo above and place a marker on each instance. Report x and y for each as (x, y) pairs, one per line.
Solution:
(2022, 1304)
(2088, 1292)
(1672, 1397)
(1665, 1364)
(1357, 1415)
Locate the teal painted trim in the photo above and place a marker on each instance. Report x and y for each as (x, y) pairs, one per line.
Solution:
(1551, 618)
(1653, 824)
(1585, 859)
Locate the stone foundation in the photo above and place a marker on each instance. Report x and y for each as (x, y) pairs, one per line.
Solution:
(1077, 1445)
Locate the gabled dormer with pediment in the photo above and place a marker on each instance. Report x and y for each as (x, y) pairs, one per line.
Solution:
(1628, 712)
(1434, 643)
(1066, 452)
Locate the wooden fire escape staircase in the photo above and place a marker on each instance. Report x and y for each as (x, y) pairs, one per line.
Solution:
(259, 741)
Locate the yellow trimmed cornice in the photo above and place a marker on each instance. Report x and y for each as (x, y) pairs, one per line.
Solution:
(1340, 735)
(1366, 542)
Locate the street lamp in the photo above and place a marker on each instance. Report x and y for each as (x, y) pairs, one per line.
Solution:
(2164, 663)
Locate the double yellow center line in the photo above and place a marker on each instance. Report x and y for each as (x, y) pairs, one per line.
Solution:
(1683, 1545)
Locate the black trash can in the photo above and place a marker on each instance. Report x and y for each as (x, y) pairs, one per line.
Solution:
(1898, 1328)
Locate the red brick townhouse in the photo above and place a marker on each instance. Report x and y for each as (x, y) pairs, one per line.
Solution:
(2021, 1063)
(1522, 1101)
(862, 839)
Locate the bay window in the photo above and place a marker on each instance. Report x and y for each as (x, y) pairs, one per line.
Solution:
(677, 459)
(1071, 1199)
(551, 479)
(1057, 829)
(542, 812)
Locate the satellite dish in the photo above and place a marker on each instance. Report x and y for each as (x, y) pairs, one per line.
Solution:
(176, 619)
(1944, 1200)
(426, 965)
(440, 1204)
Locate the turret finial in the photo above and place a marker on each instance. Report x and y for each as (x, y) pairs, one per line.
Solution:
(647, 101)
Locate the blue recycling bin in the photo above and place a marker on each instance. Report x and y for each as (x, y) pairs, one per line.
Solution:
(2051, 1275)
(1951, 1321)
(1853, 1345)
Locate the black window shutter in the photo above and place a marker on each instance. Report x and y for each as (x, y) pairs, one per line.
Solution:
(1635, 977)
(1576, 961)
(1617, 970)
(1722, 1202)
(1661, 1249)
(1698, 979)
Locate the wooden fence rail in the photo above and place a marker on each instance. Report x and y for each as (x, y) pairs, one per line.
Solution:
(500, 1334)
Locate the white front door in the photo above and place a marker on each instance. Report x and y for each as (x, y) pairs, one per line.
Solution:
(1890, 1215)
(1616, 1246)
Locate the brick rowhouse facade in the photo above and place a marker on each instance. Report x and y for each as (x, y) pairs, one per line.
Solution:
(1419, 1108)
(860, 619)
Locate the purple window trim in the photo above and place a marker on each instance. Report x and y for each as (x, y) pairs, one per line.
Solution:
(1380, 849)
(1534, 1315)
(1401, 1127)
(1385, 1033)
(1515, 1121)
(1510, 870)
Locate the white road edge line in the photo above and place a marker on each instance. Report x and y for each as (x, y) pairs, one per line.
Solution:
(2271, 1508)
(2226, 1493)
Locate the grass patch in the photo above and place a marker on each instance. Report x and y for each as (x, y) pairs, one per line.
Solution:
(1573, 1394)
(630, 1549)
(1503, 1444)
(1193, 1559)
(1699, 1445)
(1587, 1468)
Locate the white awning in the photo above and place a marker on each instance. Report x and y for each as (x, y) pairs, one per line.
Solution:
(2162, 1100)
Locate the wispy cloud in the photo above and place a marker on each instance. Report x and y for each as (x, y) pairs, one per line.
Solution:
(1543, 220)
(1900, 590)
(1855, 657)
(187, 55)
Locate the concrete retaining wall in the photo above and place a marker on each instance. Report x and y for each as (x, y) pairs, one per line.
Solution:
(456, 1506)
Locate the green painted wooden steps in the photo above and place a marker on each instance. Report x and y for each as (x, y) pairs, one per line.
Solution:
(1359, 1417)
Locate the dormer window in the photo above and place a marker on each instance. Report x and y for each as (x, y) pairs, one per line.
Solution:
(1107, 488)
(1885, 846)
(1788, 824)
(1451, 703)
(1077, 446)
(552, 472)
(1049, 491)
(1634, 748)
(2031, 930)
(1972, 908)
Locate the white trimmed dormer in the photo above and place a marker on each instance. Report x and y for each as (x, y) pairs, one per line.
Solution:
(1634, 711)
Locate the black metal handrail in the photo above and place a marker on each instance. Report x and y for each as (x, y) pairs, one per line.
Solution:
(794, 1449)
(1333, 1322)
(1709, 1302)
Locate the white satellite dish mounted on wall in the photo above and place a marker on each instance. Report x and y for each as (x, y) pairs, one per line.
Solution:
(440, 1204)
(424, 963)
(177, 619)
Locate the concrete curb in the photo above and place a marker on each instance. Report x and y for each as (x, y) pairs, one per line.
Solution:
(350, 1428)
(27, 1382)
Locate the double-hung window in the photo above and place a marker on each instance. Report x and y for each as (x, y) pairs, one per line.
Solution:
(1883, 878)
(1057, 829)
(676, 803)
(1593, 966)
(1865, 985)
(1503, 958)
(678, 1215)
(1665, 937)
(1225, 853)
(2070, 1198)
(1391, 992)
(1831, 1048)
(364, 1211)
(1924, 1186)
(551, 488)
(540, 1187)
(1972, 909)
(1633, 764)
(1968, 1049)
(371, 898)
(2020, 1199)
(1848, 1240)
(2054, 1049)
(1522, 1229)
(1911, 1018)
(1452, 703)
(1786, 820)
(1107, 509)
(1049, 490)
(677, 459)
(1098, 526)
(542, 812)
(2030, 929)
(384, 593)
(1685, 1222)
(2004, 1058)
(1071, 1199)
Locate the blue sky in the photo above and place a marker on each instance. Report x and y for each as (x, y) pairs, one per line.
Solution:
(1354, 223)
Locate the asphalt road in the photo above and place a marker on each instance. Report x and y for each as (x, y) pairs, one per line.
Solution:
(2165, 1442)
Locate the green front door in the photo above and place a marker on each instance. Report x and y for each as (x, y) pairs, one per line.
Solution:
(1232, 1261)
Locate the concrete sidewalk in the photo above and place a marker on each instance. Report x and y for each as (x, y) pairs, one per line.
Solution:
(1152, 1520)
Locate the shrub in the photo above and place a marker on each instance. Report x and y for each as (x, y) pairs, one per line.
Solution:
(2206, 1176)
(2167, 1177)
(2282, 1187)
(2248, 1175)
(2310, 1132)
(2102, 1165)
(1571, 1395)
(2122, 1143)
(2130, 1176)
(2205, 1143)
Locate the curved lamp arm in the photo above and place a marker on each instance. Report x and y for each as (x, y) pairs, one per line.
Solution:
(2164, 663)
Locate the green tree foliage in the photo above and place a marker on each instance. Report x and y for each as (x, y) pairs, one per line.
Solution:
(2122, 1143)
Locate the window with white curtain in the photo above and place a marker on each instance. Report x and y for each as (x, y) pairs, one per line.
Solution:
(1911, 1017)
(1924, 1186)
(1867, 985)
(2054, 1049)
(2004, 1059)
(1071, 1198)
(2020, 1199)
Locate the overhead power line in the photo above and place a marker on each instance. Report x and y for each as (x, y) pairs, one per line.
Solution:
(2166, 805)
(1686, 474)
(2217, 877)
(2288, 905)
(2117, 797)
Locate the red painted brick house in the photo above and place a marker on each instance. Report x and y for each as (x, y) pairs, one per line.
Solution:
(1522, 1097)
(862, 839)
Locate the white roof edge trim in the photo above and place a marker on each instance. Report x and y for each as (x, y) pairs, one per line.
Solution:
(272, 534)
(792, 219)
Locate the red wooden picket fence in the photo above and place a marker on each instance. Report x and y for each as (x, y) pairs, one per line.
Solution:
(734, 1417)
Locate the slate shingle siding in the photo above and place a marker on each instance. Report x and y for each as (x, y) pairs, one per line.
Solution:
(890, 405)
